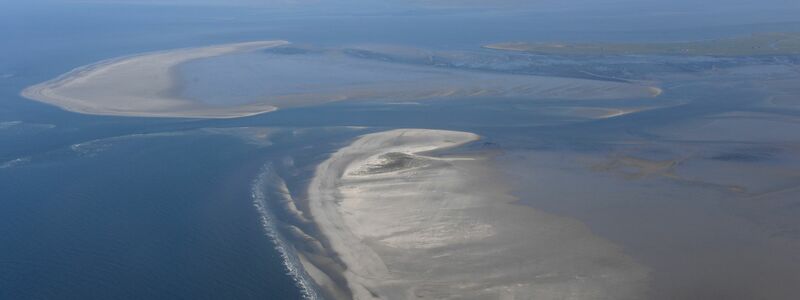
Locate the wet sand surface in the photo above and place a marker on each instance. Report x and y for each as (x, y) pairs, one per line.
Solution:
(245, 79)
(412, 225)
(293, 76)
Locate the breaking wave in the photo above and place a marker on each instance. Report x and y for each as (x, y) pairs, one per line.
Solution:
(287, 252)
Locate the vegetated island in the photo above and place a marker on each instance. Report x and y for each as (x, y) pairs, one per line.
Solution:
(753, 45)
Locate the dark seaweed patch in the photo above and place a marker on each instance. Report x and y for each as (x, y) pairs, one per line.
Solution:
(741, 157)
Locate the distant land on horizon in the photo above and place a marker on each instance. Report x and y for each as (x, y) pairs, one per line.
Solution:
(755, 44)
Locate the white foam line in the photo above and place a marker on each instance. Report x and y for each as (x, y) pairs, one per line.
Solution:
(291, 261)
(14, 162)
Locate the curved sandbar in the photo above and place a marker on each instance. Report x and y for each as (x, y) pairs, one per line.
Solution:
(407, 224)
(153, 85)
(140, 85)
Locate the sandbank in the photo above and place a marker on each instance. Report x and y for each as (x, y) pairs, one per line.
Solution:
(140, 85)
(408, 224)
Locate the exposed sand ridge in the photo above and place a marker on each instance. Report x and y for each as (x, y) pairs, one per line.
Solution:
(140, 85)
(412, 225)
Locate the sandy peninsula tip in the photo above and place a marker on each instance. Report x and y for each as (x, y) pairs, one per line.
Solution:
(141, 85)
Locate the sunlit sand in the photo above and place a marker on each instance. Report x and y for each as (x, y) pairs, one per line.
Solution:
(408, 224)
(140, 85)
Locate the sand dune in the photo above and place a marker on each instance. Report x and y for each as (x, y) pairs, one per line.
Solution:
(412, 225)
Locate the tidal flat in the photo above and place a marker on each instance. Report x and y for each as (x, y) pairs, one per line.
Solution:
(238, 80)
(438, 227)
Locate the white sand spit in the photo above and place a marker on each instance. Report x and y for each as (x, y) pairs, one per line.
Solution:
(140, 85)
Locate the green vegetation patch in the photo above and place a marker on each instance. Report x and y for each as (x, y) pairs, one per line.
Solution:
(756, 44)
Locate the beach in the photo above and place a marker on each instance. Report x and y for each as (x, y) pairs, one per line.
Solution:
(140, 85)
(409, 224)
